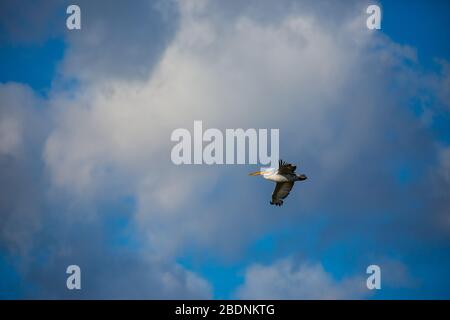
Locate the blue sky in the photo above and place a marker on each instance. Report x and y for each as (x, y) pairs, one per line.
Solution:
(85, 156)
(423, 25)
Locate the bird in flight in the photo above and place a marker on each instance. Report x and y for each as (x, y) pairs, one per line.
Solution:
(284, 176)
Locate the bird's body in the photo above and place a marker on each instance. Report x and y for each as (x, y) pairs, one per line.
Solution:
(284, 177)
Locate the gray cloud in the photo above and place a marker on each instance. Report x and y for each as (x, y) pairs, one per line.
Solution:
(42, 231)
(118, 39)
(108, 271)
(21, 141)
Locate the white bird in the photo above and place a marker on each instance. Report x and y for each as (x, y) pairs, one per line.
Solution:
(285, 178)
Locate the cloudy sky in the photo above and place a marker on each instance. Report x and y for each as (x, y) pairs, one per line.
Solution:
(86, 176)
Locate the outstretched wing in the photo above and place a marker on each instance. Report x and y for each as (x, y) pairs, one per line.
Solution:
(281, 191)
(285, 168)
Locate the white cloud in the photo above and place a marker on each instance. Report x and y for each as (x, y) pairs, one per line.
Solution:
(395, 274)
(284, 279)
(243, 72)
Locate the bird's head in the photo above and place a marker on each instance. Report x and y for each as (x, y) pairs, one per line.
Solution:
(302, 177)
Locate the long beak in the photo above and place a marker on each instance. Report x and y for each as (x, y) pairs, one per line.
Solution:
(255, 173)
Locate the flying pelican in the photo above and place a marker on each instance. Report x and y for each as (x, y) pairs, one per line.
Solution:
(285, 178)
